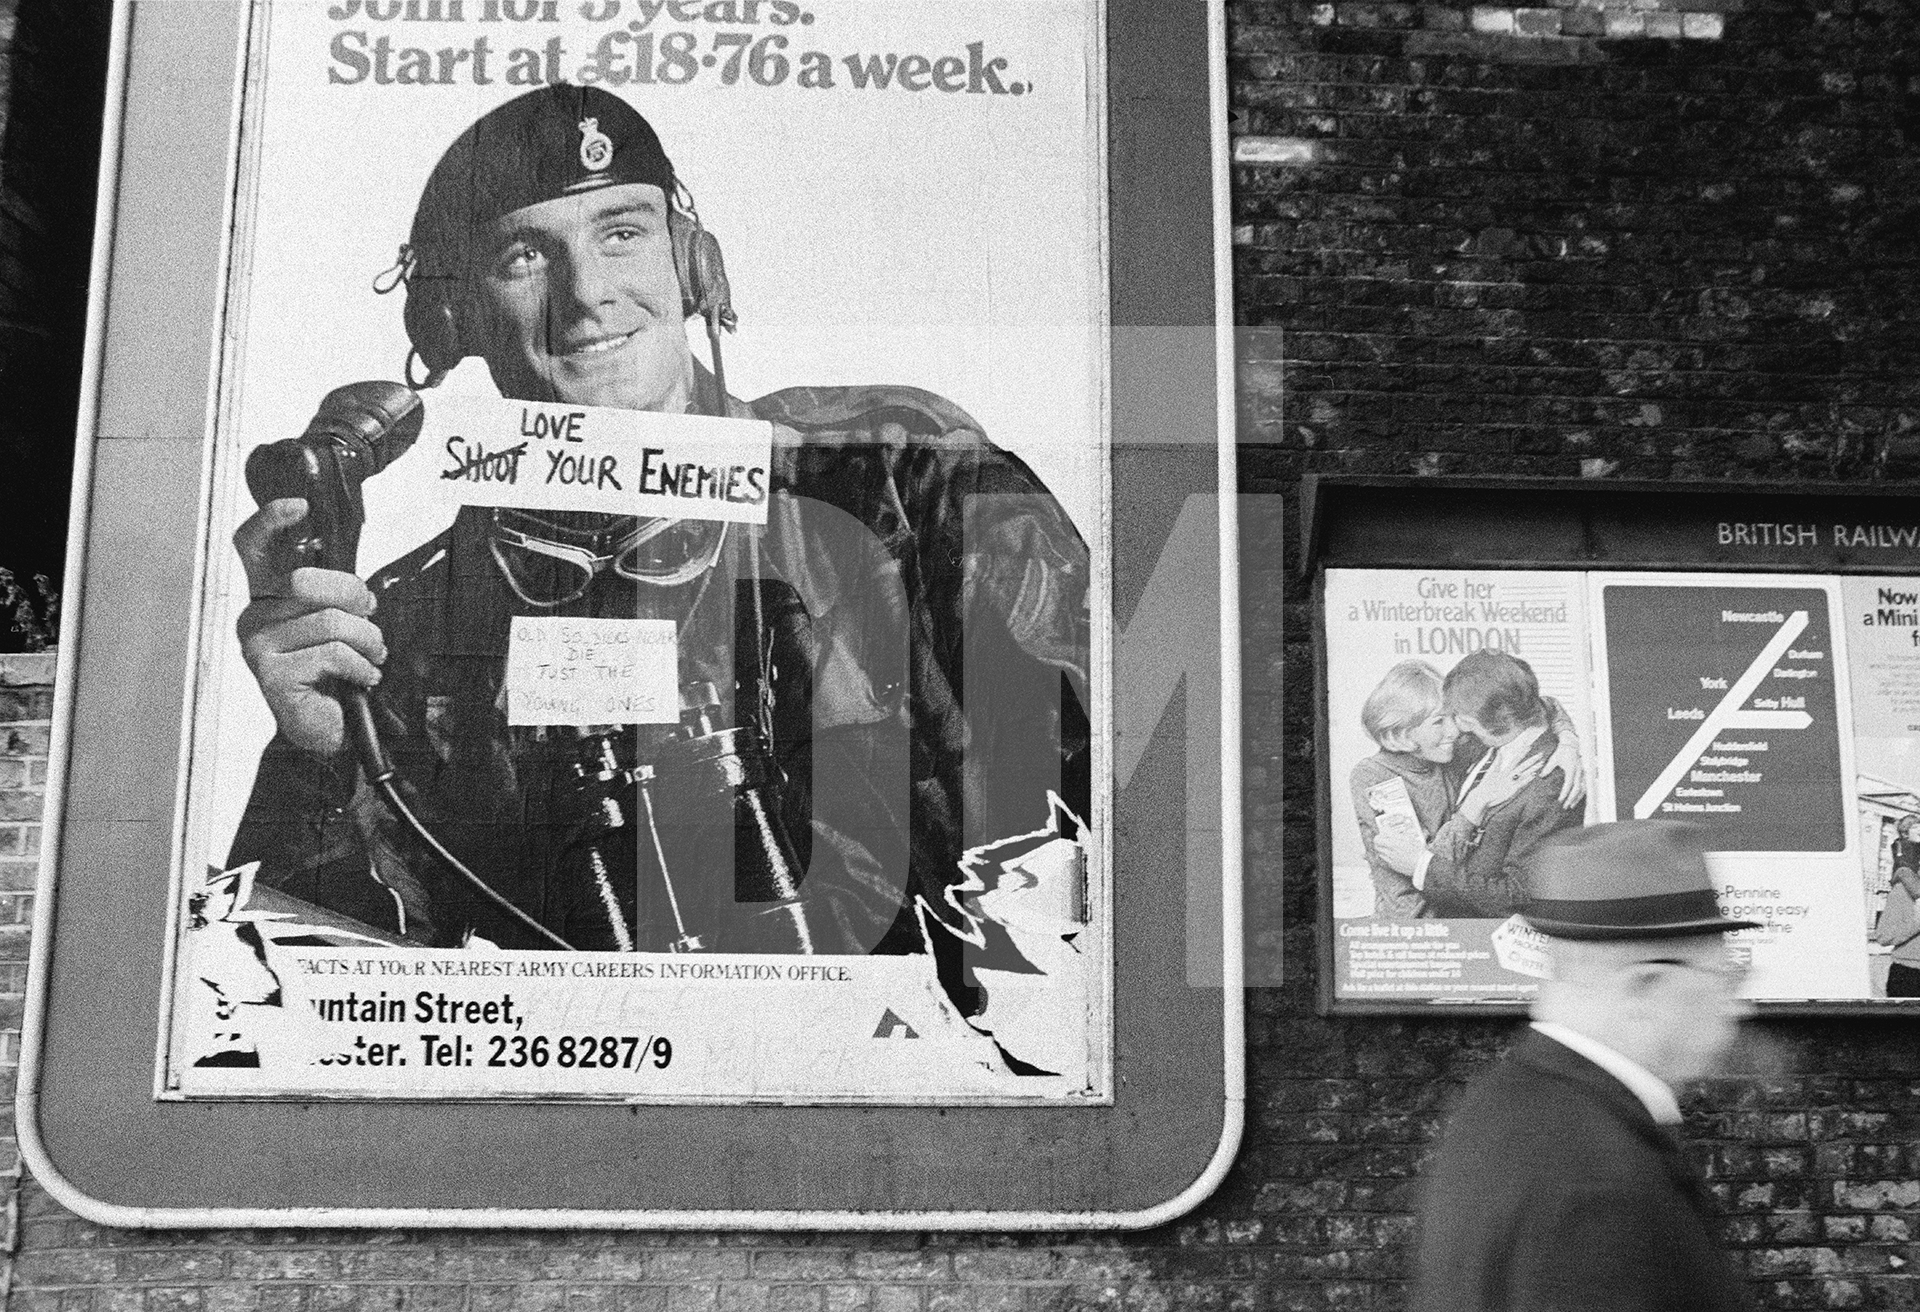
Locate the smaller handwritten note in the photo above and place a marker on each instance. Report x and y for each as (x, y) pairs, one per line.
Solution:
(592, 671)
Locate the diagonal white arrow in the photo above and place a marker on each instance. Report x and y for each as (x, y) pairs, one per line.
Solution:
(1728, 714)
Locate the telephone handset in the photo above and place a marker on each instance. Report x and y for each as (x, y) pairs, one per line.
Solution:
(358, 431)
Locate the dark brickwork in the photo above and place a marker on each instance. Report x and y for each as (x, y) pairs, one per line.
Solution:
(1474, 251)
(1495, 245)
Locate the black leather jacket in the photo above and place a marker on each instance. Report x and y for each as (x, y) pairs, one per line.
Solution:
(922, 634)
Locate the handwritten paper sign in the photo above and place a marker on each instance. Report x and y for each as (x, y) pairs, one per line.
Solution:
(592, 671)
(530, 456)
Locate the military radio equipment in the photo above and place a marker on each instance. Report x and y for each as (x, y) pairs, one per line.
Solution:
(650, 833)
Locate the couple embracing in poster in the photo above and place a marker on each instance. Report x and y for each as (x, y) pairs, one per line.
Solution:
(1475, 768)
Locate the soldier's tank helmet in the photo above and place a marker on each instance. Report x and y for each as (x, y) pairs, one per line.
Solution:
(559, 140)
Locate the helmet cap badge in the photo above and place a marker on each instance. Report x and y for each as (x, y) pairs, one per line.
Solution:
(596, 147)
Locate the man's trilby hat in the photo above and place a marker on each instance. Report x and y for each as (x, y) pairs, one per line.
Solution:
(1630, 879)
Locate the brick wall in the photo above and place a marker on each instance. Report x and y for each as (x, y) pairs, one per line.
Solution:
(1483, 241)
(26, 717)
(1498, 240)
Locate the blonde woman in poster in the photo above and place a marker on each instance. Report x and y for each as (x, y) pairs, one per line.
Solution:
(1403, 790)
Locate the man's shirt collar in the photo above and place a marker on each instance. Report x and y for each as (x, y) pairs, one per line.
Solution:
(1649, 1088)
(1509, 753)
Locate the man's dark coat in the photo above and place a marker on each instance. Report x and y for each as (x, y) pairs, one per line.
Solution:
(1555, 1191)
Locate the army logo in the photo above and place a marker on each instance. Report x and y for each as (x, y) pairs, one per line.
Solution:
(596, 147)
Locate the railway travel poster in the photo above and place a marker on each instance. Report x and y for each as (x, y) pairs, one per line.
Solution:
(1471, 715)
(648, 644)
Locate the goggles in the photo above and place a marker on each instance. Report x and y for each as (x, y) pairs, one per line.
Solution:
(548, 562)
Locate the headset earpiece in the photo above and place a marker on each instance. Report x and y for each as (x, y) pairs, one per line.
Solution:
(703, 271)
(432, 325)
(704, 290)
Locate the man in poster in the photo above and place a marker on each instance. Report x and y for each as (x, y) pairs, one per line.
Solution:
(1479, 857)
(892, 672)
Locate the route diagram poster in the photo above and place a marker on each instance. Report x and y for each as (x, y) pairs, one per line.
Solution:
(1723, 711)
(1781, 712)
(655, 527)
(1729, 706)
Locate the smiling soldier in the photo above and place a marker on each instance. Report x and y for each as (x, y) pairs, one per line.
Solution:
(895, 664)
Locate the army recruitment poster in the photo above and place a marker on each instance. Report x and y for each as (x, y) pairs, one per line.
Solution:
(1472, 714)
(655, 512)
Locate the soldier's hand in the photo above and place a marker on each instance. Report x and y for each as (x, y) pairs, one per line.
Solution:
(305, 631)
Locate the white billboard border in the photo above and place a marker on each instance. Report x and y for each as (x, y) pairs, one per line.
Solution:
(1233, 1006)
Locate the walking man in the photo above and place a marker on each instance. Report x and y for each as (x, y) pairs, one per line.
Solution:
(1560, 1184)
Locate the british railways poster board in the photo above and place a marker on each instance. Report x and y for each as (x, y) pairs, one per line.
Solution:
(1739, 660)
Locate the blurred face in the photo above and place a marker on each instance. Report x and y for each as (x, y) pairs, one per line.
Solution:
(580, 303)
(1691, 1005)
(1432, 739)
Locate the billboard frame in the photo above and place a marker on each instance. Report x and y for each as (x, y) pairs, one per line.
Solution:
(309, 1202)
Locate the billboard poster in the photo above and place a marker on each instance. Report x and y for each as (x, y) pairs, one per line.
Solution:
(1728, 707)
(1777, 711)
(1459, 724)
(655, 514)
